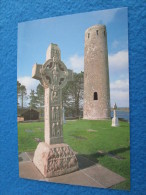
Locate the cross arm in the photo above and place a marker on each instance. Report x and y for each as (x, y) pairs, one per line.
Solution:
(36, 74)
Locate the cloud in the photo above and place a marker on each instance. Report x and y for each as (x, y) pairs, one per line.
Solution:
(105, 16)
(121, 98)
(29, 83)
(119, 92)
(120, 85)
(118, 61)
(76, 63)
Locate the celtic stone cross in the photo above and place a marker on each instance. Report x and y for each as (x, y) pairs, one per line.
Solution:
(53, 75)
(53, 157)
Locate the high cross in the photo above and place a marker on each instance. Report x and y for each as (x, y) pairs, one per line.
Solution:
(53, 76)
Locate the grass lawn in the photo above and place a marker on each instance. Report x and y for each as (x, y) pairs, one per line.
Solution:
(96, 140)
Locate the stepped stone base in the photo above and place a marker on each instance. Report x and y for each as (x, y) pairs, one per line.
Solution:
(54, 160)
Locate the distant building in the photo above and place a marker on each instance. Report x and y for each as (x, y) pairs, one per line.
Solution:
(41, 112)
(27, 114)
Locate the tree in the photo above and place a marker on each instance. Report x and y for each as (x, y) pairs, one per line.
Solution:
(40, 99)
(23, 94)
(33, 99)
(18, 91)
(73, 95)
(40, 95)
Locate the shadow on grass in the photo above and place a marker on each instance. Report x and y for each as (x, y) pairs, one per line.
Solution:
(86, 161)
(113, 153)
(119, 150)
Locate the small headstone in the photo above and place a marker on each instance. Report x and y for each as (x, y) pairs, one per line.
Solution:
(40, 129)
(115, 121)
(91, 130)
(115, 156)
(28, 130)
(79, 137)
(100, 152)
(37, 139)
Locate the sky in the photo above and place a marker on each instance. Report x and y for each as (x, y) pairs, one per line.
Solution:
(68, 32)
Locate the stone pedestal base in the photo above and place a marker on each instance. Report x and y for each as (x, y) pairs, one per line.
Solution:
(54, 160)
(115, 122)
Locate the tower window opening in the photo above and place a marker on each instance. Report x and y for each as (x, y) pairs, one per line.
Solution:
(88, 35)
(97, 32)
(104, 33)
(95, 96)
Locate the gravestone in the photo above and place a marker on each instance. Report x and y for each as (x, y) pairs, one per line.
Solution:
(53, 157)
(115, 121)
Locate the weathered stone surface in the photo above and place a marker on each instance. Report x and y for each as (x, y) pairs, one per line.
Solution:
(96, 74)
(29, 171)
(55, 160)
(89, 174)
(115, 120)
(24, 157)
(103, 175)
(53, 76)
(53, 51)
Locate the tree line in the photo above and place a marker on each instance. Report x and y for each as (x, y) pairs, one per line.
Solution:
(34, 100)
(72, 96)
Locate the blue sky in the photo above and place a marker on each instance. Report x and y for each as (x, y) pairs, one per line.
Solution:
(68, 32)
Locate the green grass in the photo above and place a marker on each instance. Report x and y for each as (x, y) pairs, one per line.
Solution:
(105, 138)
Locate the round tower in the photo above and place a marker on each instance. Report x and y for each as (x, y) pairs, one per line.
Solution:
(96, 74)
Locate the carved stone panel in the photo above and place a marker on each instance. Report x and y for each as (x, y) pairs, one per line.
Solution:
(55, 160)
(54, 74)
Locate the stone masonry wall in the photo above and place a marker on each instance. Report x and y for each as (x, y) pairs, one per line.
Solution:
(96, 74)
